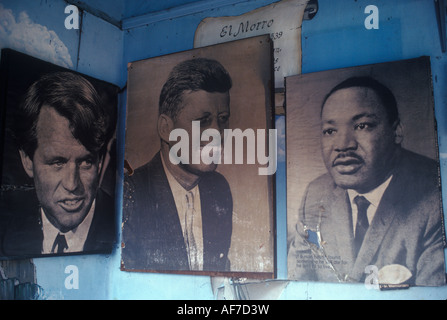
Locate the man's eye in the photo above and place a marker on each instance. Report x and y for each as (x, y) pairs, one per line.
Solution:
(224, 118)
(86, 164)
(363, 126)
(57, 164)
(328, 132)
(204, 120)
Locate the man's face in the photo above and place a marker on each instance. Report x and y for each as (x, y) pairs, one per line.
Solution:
(213, 112)
(358, 142)
(65, 173)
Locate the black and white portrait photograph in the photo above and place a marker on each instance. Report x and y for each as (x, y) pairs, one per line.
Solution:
(185, 208)
(363, 183)
(58, 160)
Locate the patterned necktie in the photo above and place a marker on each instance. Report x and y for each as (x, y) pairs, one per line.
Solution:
(191, 246)
(60, 243)
(362, 221)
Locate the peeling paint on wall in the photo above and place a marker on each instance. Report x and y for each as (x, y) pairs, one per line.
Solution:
(18, 280)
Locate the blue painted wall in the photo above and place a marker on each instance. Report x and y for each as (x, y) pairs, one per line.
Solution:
(335, 38)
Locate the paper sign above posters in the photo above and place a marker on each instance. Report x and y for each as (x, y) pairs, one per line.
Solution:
(282, 20)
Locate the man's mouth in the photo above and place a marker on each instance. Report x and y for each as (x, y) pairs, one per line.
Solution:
(347, 164)
(71, 205)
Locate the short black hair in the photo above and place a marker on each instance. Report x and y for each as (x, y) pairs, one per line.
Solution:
(73, 97)
(192, 75)
(384, 93)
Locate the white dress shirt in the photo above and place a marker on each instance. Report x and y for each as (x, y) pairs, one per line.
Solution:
(75, 238)
(179, 194)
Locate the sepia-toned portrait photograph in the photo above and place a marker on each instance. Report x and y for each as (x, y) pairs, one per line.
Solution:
(197, 199)
(58, 167)
(363, 185)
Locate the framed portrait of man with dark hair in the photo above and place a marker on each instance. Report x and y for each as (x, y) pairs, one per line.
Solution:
(200, 158)
(363, 182)
(58, 162)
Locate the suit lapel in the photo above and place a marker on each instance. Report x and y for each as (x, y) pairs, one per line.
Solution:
(210, 225)
(217, 204)
(166, 218)
(377, 230)
(101, 234)
(341, 226)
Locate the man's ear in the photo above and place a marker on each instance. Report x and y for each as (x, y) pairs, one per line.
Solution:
(165, 126)
(27, 163)
(398, 133)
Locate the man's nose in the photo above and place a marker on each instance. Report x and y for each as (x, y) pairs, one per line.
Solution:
(71, 180)
(345, 140)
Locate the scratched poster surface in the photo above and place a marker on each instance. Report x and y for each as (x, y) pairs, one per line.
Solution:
(367, 131)
(281, 20)
(236, 202)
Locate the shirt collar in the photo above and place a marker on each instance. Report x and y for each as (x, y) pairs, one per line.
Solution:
(374, 196)
(75, 238)
(176, 187)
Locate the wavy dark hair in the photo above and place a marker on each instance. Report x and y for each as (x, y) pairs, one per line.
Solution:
(73, 97)
(385, 95)
(192, 75)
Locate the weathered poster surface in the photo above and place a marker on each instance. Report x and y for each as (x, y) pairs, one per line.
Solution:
(363, 185)
(58, 160)
(194, 121)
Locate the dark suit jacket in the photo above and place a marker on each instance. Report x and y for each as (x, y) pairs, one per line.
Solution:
(406, 230)
(23, 236)
(152, 234)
